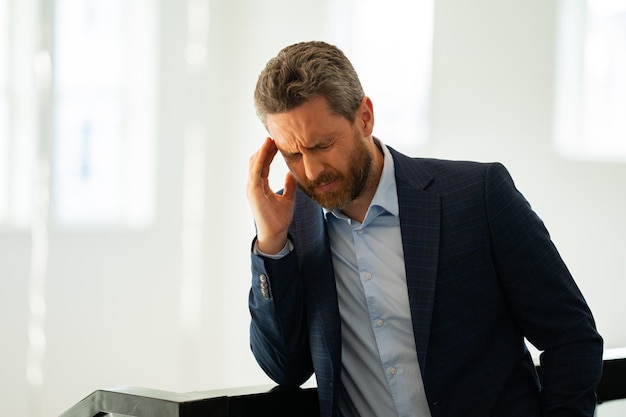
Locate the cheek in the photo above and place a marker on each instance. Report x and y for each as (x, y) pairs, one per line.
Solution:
(296, 170)
(338, 162)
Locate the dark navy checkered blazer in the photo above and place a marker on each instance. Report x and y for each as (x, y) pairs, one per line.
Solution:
(482, 274)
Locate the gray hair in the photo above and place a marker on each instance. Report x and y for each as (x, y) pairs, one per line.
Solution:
(306, 70)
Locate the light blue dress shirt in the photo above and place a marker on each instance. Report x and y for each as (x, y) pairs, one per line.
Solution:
(380, 369)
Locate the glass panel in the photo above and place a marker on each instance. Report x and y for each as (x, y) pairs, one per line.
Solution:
(390, 44)
(605, 75)
(103, 161)
(18, 37)
(4, 111)
(591, 80)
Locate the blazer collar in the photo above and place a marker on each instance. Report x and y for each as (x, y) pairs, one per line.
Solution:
(410, 172)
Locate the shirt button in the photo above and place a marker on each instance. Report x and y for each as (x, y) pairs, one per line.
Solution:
(368, 276)
(393, 371)
(360, 231)
(380, 322)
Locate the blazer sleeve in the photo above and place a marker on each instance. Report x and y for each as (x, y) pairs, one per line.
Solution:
(278, 335)
(544, 299)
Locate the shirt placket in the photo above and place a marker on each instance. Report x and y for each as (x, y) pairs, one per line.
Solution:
(376, 308)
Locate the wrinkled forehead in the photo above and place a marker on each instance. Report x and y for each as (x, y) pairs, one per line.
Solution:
(308, 125)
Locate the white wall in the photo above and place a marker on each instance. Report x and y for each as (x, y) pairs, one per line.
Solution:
(113, 310)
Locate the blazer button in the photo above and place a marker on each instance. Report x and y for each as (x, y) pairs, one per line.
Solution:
(265, 292)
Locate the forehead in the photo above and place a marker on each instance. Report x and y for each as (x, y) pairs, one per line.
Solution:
(309, 123)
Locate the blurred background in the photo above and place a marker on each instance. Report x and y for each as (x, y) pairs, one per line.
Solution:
(126, 128)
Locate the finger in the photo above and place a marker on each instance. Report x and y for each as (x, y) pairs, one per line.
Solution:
(266, 156)
(289, 190)
(259, 165)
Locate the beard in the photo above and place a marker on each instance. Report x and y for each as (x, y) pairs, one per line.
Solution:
(351, 184)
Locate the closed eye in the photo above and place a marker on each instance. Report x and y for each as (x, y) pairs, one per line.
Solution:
(291, 156)
(321, 146)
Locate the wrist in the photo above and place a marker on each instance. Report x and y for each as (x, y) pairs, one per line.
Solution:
(271, 246)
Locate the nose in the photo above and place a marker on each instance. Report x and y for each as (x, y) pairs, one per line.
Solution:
(313, 167)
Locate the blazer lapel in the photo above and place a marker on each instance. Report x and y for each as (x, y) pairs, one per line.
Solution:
(420, 213)
(313, 249)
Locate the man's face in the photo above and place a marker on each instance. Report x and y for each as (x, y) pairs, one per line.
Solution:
(327, 155)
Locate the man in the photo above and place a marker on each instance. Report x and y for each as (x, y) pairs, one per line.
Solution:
(406, 285)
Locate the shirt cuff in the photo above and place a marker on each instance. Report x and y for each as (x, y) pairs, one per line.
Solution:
(283, 252)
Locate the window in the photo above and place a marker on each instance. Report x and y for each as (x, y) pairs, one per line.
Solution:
(105, 104)
(390, 45)
(591, 80)
(4, 111)
(103, 107)
(17, 111)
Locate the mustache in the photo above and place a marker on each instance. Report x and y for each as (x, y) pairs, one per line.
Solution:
(322, 179)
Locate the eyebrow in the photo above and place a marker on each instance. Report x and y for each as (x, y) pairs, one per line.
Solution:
(288, 155)
(317, 145)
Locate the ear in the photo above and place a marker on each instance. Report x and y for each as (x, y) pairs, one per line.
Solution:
(365, 116)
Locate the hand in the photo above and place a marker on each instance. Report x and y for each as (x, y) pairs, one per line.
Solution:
(272, 212)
